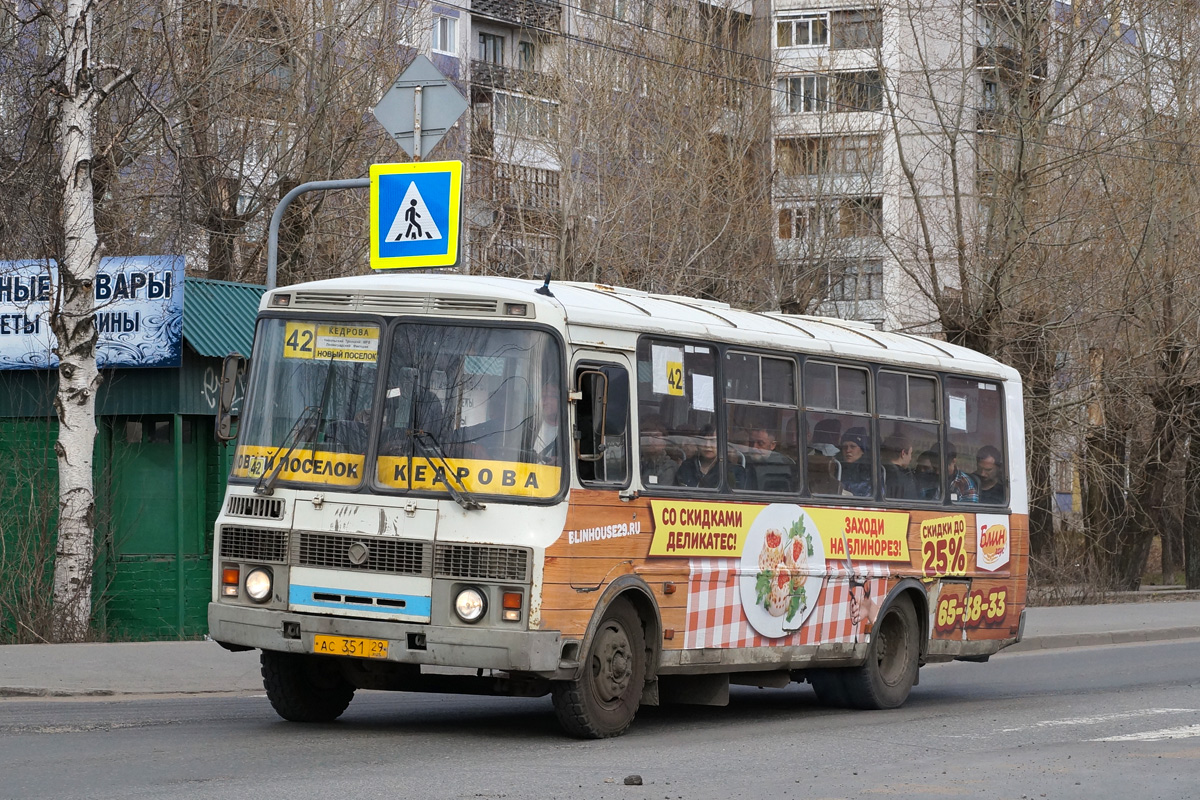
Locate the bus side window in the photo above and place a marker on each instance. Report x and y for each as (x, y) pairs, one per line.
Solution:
(602, 425)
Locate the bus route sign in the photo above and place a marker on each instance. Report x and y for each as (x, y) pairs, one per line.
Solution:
(415, 214)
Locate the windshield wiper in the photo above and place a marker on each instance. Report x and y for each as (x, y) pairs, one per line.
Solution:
(303, 430)
(307, 420)
(430, 445)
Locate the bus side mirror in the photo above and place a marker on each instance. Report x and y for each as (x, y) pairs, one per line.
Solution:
(232, 370)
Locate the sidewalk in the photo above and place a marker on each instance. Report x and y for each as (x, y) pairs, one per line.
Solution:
(65, 670)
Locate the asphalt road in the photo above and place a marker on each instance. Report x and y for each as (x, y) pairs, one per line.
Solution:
(1119, 721)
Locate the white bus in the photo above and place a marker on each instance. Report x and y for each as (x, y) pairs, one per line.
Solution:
(495, 486)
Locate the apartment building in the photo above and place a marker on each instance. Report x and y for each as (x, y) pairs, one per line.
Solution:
(865, 97)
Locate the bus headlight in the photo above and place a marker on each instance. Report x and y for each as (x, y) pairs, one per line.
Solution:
(470, 605)
(258, 585)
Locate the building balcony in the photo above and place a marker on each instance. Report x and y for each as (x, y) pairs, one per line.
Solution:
(517, 190)
(532, 14)
(986, 119)
(1010, 61)
(487, 76)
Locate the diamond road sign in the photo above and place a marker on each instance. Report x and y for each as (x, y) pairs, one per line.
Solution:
(441, 106)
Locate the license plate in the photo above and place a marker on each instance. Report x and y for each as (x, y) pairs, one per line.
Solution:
(350, 646)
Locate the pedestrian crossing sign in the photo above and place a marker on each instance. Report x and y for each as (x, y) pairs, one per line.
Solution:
(415, 210)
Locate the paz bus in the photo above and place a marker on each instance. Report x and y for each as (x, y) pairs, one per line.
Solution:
(497, 486)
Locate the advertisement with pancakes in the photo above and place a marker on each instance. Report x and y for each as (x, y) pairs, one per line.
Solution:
(790, 574)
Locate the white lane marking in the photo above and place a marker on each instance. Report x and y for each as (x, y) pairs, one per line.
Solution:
(1100, 718)
(1188, 732)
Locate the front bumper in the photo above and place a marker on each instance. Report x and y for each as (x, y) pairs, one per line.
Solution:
(534, 652)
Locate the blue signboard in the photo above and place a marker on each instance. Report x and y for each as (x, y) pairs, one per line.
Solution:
(139, 312)
(415, 214)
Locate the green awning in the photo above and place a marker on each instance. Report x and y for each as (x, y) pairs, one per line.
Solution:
(218, 316)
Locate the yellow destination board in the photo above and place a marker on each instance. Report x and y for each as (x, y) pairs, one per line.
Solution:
(307, 466)
(509, 478)
(339, 342)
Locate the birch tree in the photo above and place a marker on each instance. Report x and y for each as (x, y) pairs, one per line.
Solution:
(84, 85)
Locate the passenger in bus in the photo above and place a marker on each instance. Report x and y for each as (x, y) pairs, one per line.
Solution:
(658, 467)
(989, 469)
(700, 471)
(762, 444)
(770, 470)
(856, 463)
(962, 486)
(898, 480)
(928, 485)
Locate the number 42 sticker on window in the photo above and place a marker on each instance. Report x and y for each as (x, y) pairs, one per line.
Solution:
(341, 342)
(668, 370)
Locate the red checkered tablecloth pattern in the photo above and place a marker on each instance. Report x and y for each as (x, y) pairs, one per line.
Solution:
(715, 617)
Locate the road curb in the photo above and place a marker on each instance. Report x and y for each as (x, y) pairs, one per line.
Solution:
(19, 692)
(23, 691)
(1063, 640)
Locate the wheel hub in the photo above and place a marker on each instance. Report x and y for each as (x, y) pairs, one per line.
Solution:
(611, 665)
(891, 659)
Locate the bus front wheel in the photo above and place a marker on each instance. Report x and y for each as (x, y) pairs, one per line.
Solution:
(304, 688)
(603, 700)
(890, 671)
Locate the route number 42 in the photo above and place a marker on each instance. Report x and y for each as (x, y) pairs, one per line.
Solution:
(675, 378)
(299, 340)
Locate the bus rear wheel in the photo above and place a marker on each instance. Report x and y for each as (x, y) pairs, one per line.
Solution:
(602, 702)
(890, 671)
(304, 688)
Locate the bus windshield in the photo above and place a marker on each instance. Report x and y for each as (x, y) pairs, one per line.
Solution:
(471, 408)
(474, 406)
(312, 386)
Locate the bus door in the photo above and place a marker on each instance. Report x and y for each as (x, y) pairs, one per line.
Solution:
(600, 430)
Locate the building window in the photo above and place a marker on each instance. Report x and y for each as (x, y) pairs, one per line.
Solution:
(491, 48)
(527, 55)
(445, 35)
(860, 216)
(855, 280)
(801, 222)
(858, 91)
(525, 116)
(813, 155)
(647, 13)
(844, 91)
(855, 30)
(808, 156)
(805, 94)
(806, 31)
(991, 96)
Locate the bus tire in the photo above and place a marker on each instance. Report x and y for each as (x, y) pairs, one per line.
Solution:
(830, 687)
(301, 688)
(890, 671)
(603, 700)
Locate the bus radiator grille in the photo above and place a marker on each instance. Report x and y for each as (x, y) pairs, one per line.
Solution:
(257, 507)
(253, 544)
(393, 556)
(482, 562)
